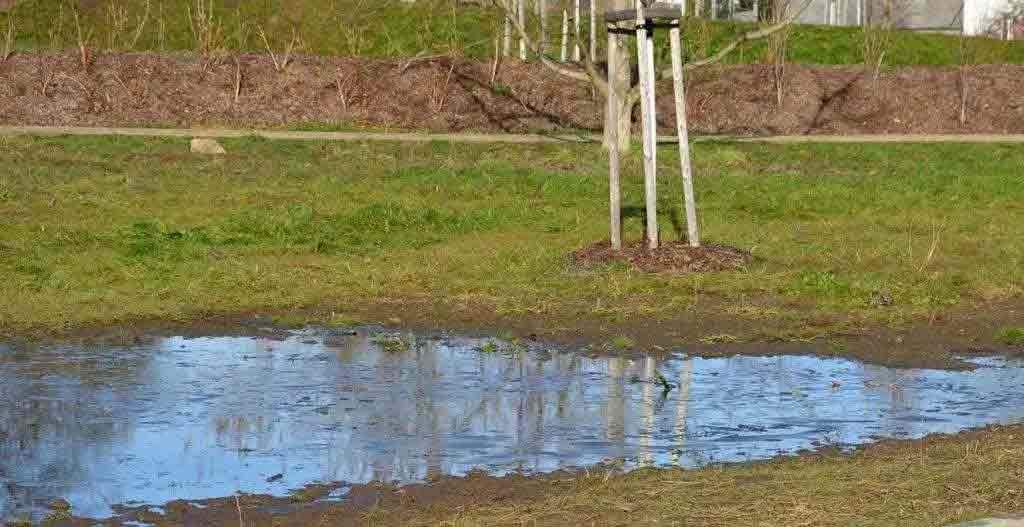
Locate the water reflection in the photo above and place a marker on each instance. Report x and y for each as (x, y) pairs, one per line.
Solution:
(196, 418)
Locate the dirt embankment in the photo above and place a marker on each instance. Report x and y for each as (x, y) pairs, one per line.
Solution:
(442, 95)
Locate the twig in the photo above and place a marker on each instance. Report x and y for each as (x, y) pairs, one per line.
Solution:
(238, 505)
(238, 79)
(345, 87)
(586, 75)
(341, 92)
(142, 24)
(45, 76)
(931, 251)
(745, 37)
(117, 77)
(46, 83)
(497, 60)
(8, 41)
(444, 91)
(279, 65)
(420, 57)
(78, 82)
(83, 41)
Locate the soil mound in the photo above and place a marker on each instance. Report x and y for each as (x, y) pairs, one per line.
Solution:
(671, 257)
(458, 95)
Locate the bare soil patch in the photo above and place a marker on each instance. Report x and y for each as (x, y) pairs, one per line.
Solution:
(442, 95)
(670, 257)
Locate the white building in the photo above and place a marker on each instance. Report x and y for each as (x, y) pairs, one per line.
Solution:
(973, 17)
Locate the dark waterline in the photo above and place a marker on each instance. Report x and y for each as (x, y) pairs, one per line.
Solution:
(180, 418)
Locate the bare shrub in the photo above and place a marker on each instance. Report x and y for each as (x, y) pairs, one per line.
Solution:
(8, 47)
(124, 31)
(83, 40)
(206, 28)
(282, 60)
(778, 47)
(877, 40)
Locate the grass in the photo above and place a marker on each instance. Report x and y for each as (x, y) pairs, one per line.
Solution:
(1011, 336)
(400, 29)
(100, 231)
(935, 481)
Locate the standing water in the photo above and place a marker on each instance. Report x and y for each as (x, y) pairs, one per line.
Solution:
(179, 418)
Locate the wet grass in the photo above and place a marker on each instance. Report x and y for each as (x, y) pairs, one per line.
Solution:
(110, 230)
(1011, 336)
(940, 480)
(404, 29)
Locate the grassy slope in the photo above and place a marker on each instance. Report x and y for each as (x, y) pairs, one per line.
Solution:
(397, 29)
(937, 481)
(99, 230)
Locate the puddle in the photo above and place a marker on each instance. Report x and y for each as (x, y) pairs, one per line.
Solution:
(191, 419)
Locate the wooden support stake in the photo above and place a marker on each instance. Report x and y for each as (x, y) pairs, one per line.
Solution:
(576, 31)
(652, 130)
(593, 29)
(522, 24)
(645, 59)
(612, 121)
(507, 48)
(689, 202)
(565, 35)
(543, 26)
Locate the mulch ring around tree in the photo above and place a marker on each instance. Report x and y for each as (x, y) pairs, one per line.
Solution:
(675, 257)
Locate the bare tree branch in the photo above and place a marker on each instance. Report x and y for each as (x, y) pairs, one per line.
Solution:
(757, 34)
(587, 73)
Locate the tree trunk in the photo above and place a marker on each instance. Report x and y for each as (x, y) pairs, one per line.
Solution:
(622, 81)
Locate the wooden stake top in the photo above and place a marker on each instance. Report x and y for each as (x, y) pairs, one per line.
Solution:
(658, 10)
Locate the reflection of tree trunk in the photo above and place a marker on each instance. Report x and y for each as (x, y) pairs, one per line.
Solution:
(616, 418)
(645, 457)
(682, 405)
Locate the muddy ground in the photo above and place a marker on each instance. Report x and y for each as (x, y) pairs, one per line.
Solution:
(457, 95)
(934, 342)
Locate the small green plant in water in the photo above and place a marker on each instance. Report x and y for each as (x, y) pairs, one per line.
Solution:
(660, 380)
(622, 343)
(1011, 336)
(837, 347)
(489, 347)
(723, 338)
(392, 343)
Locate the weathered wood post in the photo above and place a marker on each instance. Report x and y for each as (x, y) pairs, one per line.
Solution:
(593, 29)
(543, 8)
(649, 125)
(682, 130)
(565, 35)
(507, 41)
(521, 17)
(576, 32)
(612, 119)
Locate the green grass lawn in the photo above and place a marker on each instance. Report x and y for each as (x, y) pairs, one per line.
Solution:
(397, 29)
(109, 230)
